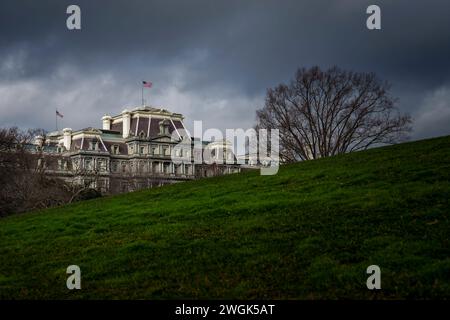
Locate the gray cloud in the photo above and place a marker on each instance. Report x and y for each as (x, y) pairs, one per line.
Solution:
(433, 116)
(212, 60)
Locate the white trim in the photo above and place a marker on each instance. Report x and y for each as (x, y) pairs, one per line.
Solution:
(156, 114)
(137, 126)
(184, 127)
(101, 140)
(176, 129)
(149, 123)
(86, 135)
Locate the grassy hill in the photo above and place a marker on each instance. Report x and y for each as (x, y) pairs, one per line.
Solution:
(308, 232)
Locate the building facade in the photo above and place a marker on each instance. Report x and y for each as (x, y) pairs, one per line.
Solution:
(133, 150)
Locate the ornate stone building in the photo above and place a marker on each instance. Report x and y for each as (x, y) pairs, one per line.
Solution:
(132, 151)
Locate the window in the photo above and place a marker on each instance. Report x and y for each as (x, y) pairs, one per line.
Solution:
(76, 164)
(88, 164)
(166, 168)
(164, 127)
(101, 164)
(141, 150)
(198, 156)
(93, 145)
(115, 149)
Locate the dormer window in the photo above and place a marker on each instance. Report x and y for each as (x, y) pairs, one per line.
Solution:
(115, 149)
(166, 150)
(164, 127)
(93, 145)
(142, 135)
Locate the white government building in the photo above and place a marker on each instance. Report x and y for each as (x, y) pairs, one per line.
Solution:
(132, 151)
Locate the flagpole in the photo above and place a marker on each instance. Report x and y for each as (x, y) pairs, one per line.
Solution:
(56, 119)
(146, 85)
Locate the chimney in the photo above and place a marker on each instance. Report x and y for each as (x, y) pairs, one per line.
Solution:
(106, 122)
(126, 123)
(67, 138)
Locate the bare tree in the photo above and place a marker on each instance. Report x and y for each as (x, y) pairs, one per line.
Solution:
(325, 113)
(86, 182)
(23, 174)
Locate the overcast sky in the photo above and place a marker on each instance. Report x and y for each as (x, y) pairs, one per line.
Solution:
(212, 60)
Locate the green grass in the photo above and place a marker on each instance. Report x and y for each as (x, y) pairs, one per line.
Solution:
(308, 232)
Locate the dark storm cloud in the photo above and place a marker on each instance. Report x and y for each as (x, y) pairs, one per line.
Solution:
(213, 60)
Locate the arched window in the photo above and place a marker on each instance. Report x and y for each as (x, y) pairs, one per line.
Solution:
(164, 127)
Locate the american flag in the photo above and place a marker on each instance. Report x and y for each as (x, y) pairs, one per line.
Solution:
(146, 84)
(59, 114)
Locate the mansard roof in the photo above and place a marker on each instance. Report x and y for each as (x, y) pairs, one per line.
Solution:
(91, 130)
(149, 110)
(144, 124)
(54, 133)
